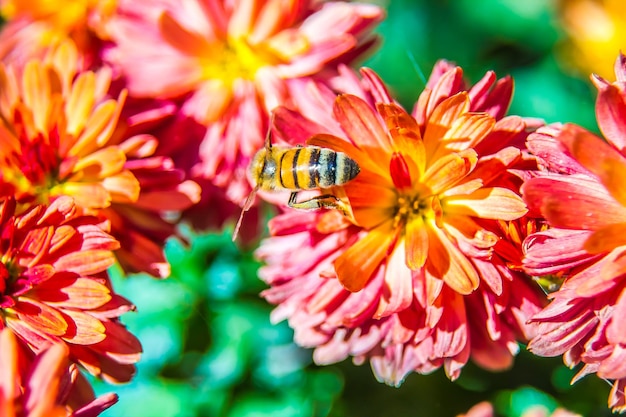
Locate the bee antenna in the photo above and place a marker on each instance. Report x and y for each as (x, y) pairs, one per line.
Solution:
(246, 206)
(268, 136)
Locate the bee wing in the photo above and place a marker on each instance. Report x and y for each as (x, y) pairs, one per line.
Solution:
(246, 206)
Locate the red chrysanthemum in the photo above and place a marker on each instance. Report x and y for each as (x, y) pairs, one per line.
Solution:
(54, 287)
(582, 196)
(418, 276)
(43, 385)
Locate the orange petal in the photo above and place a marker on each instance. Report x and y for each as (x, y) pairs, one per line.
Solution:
(447, 262)
(101, 163)
(9, 377)
(36, 93)
(123, 187)
(468, 130)
(449, 169)
(41, 317)
(358, 155)
(606, 238)
(87, 195)
(86, 262)
(405, 137)
(44, 383)
(178, 37)
(79, 293)
(92, 137)
(355, 266)
(442, 119)
(488, 203)
(84, 328)
(605, 161)
(80, 103)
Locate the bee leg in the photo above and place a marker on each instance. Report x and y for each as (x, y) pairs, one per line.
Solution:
(326, 201)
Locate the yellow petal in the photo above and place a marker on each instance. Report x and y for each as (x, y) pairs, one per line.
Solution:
(488, 203)
(416, 237)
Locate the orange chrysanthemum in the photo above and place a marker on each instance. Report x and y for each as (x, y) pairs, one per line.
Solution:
(54, 288)
(60, 135)
(421, 262)
(44, 385)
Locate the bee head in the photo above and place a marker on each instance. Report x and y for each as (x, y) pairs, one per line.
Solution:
(263, 169)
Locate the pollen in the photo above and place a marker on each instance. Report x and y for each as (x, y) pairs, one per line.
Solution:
(236, 59)
(410, 206)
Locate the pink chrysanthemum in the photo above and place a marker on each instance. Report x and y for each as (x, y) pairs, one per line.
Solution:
(54, 288)
(44, 385)
(582, 197)
(61, 135)
(419, 277)
(34, 26)
(231, 63)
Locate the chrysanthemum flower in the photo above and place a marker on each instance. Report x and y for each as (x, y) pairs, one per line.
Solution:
(582, 197)
(232, 62)
(33, 26)
(43, 386)
(54, 288)
(595, 29)
(417, 276)
(60, 135)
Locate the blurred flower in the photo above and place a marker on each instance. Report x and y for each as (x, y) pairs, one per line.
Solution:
(231, 63)
(422, 271)
(61, 136)
(485, 409)
(581, 195)
(32, 27)
(43, 386)
(596, 31)
(54, 288)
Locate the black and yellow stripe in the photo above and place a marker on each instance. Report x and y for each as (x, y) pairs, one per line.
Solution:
(311, 167)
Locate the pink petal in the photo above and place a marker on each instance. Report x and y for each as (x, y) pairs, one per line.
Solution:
(362, 125)
(397, 291)
(611, 115)
(605, 162)
(572, 202)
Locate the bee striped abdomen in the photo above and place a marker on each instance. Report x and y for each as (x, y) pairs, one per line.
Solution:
(311, 167)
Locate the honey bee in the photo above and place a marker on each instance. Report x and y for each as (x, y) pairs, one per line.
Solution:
(299, 168)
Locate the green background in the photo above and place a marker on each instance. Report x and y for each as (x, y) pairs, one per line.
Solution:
(210, 349)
